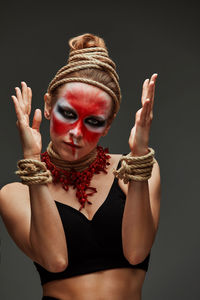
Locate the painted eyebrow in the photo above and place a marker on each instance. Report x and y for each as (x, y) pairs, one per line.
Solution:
(100, 118)
(64, 106)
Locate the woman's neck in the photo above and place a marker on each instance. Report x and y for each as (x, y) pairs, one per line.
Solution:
(77, 165)
(77, 173)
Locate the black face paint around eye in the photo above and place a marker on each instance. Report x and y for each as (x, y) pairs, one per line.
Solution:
(67, 113)
(94, 122)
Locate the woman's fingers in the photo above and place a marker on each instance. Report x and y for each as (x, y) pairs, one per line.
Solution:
(24, 93)
(18, 110)
(148, 88)
(145, 112)
(24, 96)
(145, 90)
(154, 79)
(151, 86)
(150, 111)
(147, 99)
(37, 119)
(29, 100)
(22, 103)
(19, 96)
(151, 89)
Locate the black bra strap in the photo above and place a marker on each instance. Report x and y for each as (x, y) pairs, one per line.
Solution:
(119, 163)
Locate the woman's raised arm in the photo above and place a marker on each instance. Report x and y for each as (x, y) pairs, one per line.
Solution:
(30, 213)
(141, 214)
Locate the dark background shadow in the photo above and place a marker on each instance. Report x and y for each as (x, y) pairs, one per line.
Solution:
(142, 38)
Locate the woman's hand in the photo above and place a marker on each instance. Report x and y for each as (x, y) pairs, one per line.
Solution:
(139, 137)
(30, 136)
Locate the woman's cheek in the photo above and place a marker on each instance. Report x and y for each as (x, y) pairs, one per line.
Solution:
(92, 137)
(59, 127)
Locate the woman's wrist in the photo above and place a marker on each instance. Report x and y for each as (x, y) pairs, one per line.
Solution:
(33, 171)
(137, 168)
(36, 157)
(139, 152)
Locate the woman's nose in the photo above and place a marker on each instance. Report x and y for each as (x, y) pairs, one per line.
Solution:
(77, 130)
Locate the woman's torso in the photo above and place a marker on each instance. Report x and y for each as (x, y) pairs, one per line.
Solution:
(113, 284)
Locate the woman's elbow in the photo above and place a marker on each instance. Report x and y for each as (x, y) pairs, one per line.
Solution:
(59, 265)
(136, 257)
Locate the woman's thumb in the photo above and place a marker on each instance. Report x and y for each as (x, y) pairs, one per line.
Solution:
(37, 119)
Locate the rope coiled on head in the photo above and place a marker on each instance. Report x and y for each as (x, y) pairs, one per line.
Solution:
(88, 58)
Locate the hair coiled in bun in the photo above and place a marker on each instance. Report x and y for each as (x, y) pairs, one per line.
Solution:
(86, 40)
(89, 63)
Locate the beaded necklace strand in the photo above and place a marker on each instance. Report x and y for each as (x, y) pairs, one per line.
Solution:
(79, 180)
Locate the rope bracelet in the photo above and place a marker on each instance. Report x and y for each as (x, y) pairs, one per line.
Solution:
(32, 171)
(137, 168)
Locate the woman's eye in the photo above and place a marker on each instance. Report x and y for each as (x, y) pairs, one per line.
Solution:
(94, 122)
(67, 113)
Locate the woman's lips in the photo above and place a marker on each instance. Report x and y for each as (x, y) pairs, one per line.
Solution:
(73, 145)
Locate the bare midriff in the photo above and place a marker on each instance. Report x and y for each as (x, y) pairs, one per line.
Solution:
(115, 284)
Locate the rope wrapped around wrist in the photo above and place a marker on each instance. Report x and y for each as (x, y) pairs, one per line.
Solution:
(137, 168)
(32, 171)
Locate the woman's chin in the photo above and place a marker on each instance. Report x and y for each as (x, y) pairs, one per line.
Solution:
(69, 156)
(71, 153)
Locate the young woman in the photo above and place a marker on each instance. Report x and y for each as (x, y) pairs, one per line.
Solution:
(89, 230)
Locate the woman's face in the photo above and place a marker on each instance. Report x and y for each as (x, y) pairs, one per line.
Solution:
(78, 119)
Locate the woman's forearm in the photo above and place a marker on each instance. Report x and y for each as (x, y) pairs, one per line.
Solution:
(47, 237)
(138, 228)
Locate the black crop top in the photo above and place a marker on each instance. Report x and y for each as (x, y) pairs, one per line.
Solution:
(93, 245)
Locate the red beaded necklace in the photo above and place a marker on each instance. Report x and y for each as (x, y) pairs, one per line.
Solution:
(79, 180)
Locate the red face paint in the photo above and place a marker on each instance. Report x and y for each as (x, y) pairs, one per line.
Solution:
(85, 102)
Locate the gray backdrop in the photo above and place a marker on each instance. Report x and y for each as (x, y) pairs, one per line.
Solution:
(142, 37)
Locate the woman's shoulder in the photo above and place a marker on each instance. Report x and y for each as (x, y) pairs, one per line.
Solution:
(114, 161)
(15, 212)
(115, 157)
(13, 188)
(13, 193)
